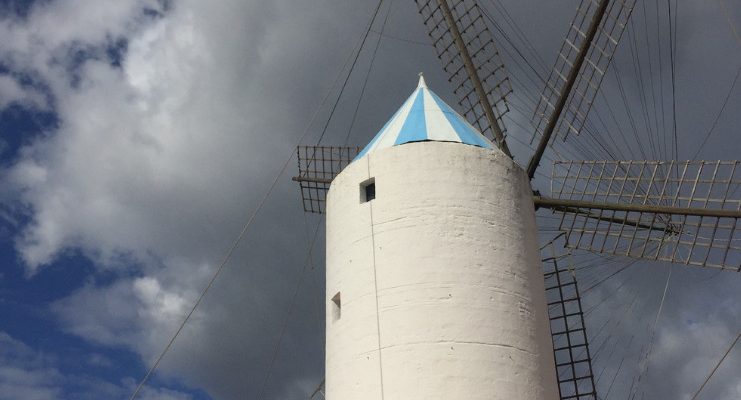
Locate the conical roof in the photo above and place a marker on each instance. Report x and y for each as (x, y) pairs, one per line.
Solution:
(425, 117)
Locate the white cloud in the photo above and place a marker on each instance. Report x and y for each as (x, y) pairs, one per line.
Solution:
(156, 163)
(141, 148)
(133, 313)
(687, 351)
(32, 375)
(24, 373)
(13, 92)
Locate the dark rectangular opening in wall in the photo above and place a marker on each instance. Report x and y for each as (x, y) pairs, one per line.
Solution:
(370, 192)
(367, 190)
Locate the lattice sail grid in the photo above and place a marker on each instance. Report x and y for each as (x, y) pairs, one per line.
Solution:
(484, 55)
(706, 241)
(568, 332)
(580, 100)
(317, 167)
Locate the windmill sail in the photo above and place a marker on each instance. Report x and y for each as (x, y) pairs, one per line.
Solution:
(592, 71)
(682, 212)
(568, 332)
(483, 53)
(317, 167)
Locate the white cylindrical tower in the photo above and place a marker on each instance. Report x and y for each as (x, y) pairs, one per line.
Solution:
(434, 283)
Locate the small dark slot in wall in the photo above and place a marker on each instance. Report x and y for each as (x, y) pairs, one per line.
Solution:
(367, 190)
(370, 192)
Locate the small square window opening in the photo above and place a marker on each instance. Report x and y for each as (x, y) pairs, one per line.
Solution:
(367, 190)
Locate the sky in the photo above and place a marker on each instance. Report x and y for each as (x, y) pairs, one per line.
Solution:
(137, 137)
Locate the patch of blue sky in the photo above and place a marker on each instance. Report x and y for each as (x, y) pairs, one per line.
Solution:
(26, 309)
(165, 5)
(21, 123)
(19, 126)
(26, 78)
(116, 51)
(25, 302)
(51, 282)
(18, 8)
(75, 58)
(111, 50)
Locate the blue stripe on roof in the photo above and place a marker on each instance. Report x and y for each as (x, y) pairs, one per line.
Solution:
(381, 132)
(464, 131)
(414, 128)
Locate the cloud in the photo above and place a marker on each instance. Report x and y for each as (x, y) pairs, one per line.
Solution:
(31, 375)
(24, 374)
(156, 162)
(688, 348)
(13, 92)
(694, 328)
(161, 152)
(130, 313)
(149, 154)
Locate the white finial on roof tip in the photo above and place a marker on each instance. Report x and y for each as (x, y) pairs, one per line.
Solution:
(422, 80)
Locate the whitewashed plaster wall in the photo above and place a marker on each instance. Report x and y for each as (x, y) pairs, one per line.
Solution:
(441, 272)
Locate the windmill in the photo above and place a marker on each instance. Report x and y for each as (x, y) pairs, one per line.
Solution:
(682, 212)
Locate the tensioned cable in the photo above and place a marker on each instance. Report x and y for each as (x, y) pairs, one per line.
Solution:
(648, 96)
(596, 277)
(716, 367)
(352, 67)
(672, 48)
(367, 74)
(518, 32)
(609, 357)
(359, 48)
(274, 357)
(651, 77)
(641, 86)
(594, 136)
(609, 276)
(730, 22)
(717, 117)
(605, 298)
(401, 39)
(375, 287)
(620, 366)
(614, 119)
(629, 114)
(214, 277)
(627, 310)
(318, 390)
(234, 245)
(310, 245)
(528, 45)
(661, 79)
(644, 367)
(517, 50)
(599, 331)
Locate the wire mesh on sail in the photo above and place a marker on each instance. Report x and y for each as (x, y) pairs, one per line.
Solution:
(317, 167)
(484, 55)
(580, 99)
(699, 240)
(568, 331)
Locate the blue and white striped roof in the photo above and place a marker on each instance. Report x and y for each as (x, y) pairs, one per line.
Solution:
(425, 117)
